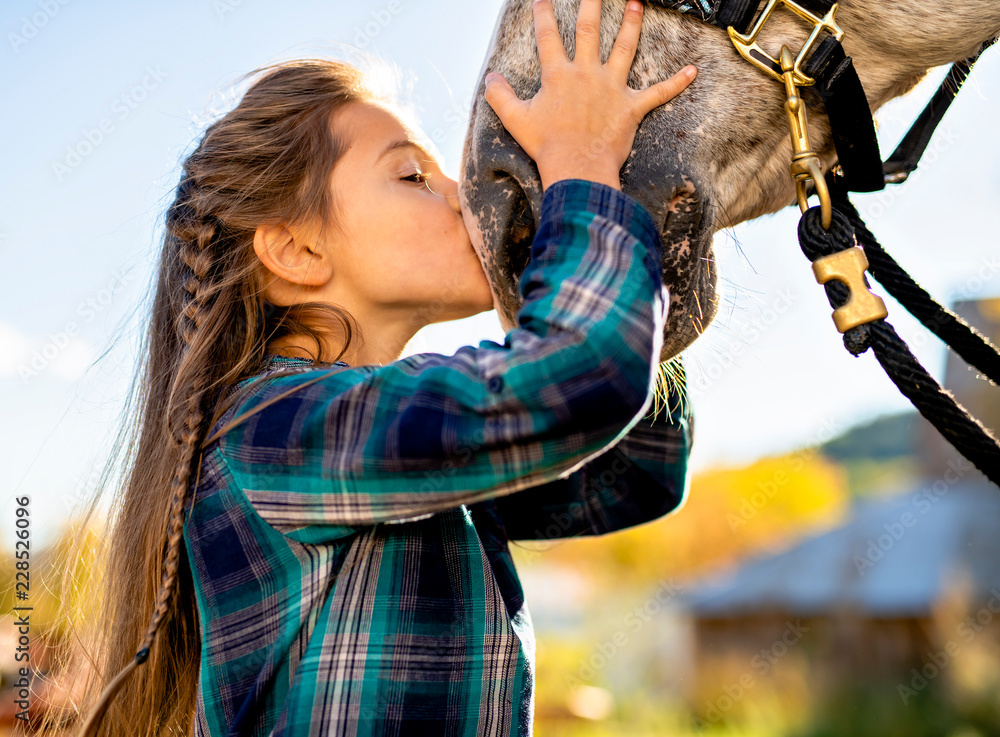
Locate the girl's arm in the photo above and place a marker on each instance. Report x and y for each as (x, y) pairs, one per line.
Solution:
(644, 477)
(432, 432)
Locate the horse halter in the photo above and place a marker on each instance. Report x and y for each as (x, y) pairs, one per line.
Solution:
(823, 64)
(833, 236)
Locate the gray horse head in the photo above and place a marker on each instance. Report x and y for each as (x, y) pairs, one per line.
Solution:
(716, 155)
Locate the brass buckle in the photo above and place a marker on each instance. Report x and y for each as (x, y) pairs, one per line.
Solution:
(752, 52)
(849, 267)
(805, 162)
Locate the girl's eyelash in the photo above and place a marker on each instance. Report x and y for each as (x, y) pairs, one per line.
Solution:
(422, 180)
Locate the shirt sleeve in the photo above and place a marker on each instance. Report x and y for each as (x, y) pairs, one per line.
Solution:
(429, 432)
(642, 478)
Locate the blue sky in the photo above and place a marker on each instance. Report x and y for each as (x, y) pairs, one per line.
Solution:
(102, 100)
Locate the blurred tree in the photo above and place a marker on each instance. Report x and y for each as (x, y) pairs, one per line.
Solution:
(729, 514)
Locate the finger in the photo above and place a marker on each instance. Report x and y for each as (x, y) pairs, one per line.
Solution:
(550, 45)
(623, 52)
(588, 31)
(665, 91)
(502, 98)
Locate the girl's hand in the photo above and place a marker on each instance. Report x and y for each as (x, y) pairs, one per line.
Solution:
(582, 122)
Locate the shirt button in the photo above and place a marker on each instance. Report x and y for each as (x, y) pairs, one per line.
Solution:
(495, 384)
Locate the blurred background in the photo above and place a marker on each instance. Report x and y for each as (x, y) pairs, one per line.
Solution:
(836, 569)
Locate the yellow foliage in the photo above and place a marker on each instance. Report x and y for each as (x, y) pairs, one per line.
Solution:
(730, 514)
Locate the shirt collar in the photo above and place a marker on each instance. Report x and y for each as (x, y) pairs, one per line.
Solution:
(275, 361)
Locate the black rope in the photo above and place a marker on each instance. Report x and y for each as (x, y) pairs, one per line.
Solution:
(974, 347)
(937, 405)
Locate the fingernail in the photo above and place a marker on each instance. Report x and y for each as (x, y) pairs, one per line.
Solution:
(634, 5)
(690, 71)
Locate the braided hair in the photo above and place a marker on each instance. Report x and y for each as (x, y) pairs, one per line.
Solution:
(266, 161)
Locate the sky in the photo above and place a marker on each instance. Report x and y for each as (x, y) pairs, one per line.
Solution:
(102, 100)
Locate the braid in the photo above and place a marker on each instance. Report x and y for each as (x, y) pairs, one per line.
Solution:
(197, 257)
(266, 161)
(193, 233)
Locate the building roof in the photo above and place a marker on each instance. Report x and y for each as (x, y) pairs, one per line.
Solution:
(897, 556)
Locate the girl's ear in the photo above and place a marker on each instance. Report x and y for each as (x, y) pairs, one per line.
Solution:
(287, 255)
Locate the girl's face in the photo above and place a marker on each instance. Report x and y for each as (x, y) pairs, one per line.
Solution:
(403, 252)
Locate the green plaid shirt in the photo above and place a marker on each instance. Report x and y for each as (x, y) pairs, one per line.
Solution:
(348, 543)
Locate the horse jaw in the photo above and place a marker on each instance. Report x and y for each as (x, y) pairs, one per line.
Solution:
(715, 156)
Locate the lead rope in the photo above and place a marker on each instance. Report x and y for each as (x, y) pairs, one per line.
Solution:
(827, 249)
(974, 347)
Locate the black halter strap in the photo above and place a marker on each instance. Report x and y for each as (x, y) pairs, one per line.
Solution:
(850, 115)
(722, 13)
(837, 84)
(843, 96)
(905, 158)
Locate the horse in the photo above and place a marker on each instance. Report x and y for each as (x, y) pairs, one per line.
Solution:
(713, 157)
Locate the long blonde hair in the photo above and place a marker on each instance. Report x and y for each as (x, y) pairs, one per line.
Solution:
(266, 161)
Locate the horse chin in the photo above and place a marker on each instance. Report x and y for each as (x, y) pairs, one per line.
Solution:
(689, 272)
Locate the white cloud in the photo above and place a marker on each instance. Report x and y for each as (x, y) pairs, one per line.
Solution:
(59, 355)
(15, 350)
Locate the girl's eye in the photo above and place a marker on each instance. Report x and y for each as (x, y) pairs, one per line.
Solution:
(419, 178)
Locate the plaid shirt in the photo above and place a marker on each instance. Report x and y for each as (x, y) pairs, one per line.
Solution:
(348, 542)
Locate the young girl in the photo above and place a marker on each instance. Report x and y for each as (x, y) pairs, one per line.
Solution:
(337, 521)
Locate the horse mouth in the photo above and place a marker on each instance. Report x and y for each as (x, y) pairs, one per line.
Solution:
(519, 233)
(503, 233)
(679, 223)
